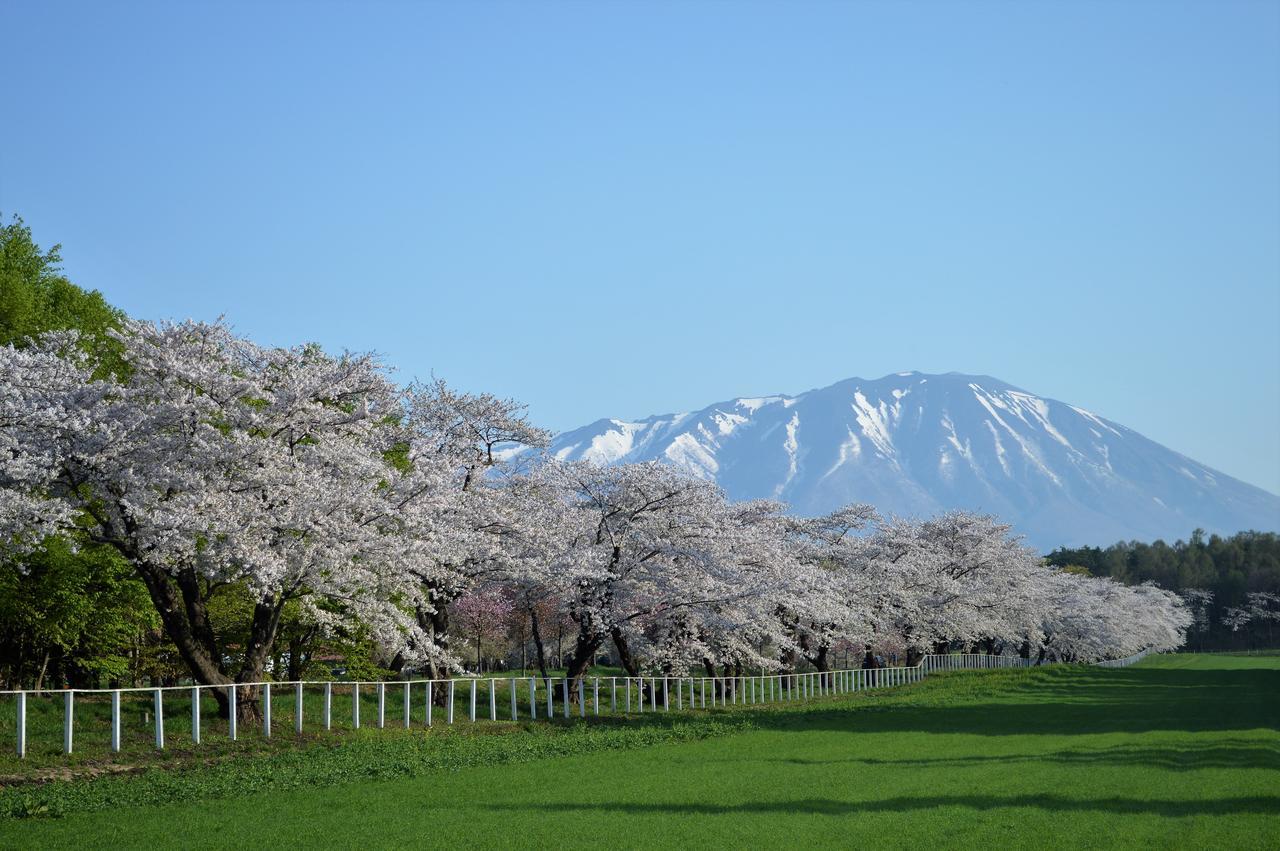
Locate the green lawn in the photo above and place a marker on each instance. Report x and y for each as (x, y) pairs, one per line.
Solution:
(1180, 751)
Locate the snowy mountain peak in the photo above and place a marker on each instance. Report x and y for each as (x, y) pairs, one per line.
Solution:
(914, 443)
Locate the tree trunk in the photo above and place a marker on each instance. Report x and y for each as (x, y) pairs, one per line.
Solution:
(299, 658)
(625, 659)
(537, 643)
(717, 685)
(823, 664)
(628, 662)
(44, 666)
(579, 661)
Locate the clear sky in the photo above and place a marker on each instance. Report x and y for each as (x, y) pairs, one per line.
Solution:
(618, 209)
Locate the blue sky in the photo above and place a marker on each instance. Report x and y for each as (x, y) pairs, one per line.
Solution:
(617, 209)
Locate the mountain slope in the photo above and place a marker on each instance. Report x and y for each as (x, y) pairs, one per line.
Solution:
(916, 444)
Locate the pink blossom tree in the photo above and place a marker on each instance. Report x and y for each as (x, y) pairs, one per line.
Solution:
(482, 616)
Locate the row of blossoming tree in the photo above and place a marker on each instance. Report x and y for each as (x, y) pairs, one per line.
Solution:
(319, 486)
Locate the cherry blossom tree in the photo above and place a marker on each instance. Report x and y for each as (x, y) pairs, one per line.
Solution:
(482, 616)
(1260, 606)
(650, 552)
(1199, 602)
(469, 438)
(216, 462)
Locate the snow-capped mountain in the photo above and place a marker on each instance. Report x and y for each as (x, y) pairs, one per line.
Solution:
(916, 444)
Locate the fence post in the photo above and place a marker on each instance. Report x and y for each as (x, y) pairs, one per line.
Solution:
(582, 700)
(195, 714)
(680, 694)
(232, 719)
(297, 708)
(493, 699)
(564, 695)
(472, 700)
(22, 725)
(159, 707)
(355, 705)
(429, 701)
(115, 721)
(666, 695)
(266, 710)
(551, 699)
(613, 695)
(382, 704)
(595, 695)
(328, 706)
(449, 700)
(514, 710)
(533, 698)
(68, 719)
(653, 693)
(408, 705)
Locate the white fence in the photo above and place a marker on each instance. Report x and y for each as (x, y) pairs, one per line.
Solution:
(1126, 661)
(525, 697)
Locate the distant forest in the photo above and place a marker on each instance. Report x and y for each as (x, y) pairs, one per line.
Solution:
(1233, 583)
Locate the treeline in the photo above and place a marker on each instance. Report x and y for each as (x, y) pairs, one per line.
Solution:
(1232, 582)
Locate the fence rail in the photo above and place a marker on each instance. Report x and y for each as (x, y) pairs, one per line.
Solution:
(525, 697)
(1126, 661)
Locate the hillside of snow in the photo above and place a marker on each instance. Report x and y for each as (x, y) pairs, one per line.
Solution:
(916, 444)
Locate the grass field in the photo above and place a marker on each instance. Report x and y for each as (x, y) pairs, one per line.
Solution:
(1179, 751)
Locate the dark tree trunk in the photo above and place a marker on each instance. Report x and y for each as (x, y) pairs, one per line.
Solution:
(579, 661)
(710, 668)
(300, 655)
(537, 643)
(184, 613)
(625, 659)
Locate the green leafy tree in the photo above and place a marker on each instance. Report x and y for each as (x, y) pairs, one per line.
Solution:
(72, 613)
(36, 297)
(73, 617)
(1229, 568)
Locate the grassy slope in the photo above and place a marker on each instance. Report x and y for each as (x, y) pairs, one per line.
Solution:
(1179, 751)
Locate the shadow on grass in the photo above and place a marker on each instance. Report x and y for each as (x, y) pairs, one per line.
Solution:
(827, 806)
(1058, 701)
(1174, 758)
